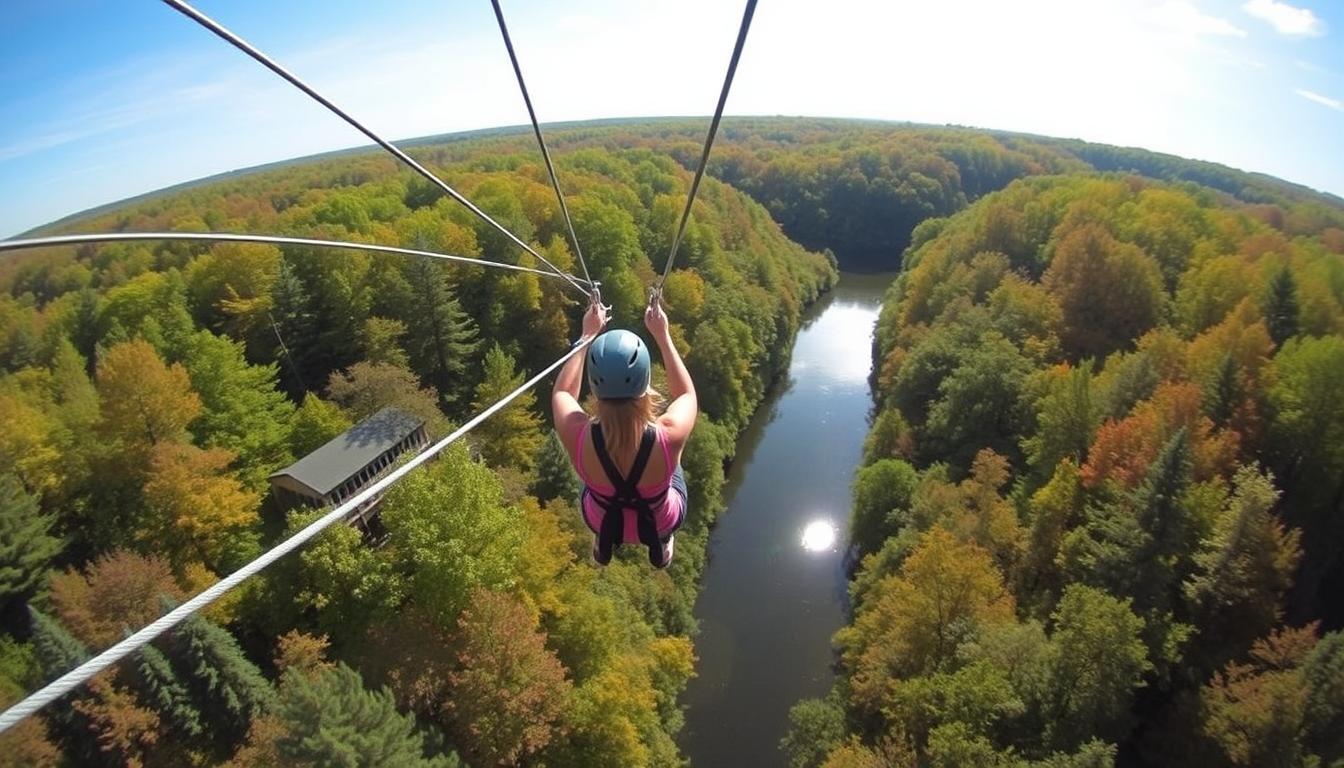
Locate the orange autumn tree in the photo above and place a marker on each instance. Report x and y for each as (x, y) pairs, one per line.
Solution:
(1125, 448)
(508, 691)
(197, 511)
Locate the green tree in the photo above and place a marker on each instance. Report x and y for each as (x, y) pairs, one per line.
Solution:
(1066, 422)
(225, 686)
(1281, 310)
(243, 412)
(979, 403)
(441, 337)
(315, 422)
(26, 544)
(720, 361)
(338, 582)
(1224, 392)
(1323, 679)
(1099, 660)
(450, 532)
(816, 726)
(59, 652)
(883, 492)
(556, 478)
(366, 388)
(889, 438)
(1307, 433)
(381, 341)
(1141, 544)
(293, 324)
(158, 686)
(230, 287)
(1244, 570)
(512, 436)
(330, 719)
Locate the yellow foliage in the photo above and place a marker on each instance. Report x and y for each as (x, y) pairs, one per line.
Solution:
(914, 620)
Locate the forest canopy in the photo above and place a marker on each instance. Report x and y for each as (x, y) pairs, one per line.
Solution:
(150, 389)
(1098, 517)
(1098, 514)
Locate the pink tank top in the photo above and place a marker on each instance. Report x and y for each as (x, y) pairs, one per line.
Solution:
(665, 515)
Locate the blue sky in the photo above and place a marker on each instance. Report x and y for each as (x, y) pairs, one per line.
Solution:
(104, 100)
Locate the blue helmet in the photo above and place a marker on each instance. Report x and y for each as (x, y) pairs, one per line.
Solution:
(618, 366)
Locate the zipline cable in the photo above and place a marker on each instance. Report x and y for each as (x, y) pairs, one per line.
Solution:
(270, 64)
(230, 237)
(536, 127)
(81, 674)
(709, 141)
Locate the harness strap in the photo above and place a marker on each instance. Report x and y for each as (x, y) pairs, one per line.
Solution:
(612, 530)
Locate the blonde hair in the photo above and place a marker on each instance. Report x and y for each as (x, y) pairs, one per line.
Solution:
(623, 423)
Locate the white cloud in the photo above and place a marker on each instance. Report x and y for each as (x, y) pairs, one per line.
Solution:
(1183, 16)
(1285, 18)
(1334, 104)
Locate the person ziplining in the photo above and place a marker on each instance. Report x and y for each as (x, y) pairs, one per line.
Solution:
(632, 493)
(625, 390)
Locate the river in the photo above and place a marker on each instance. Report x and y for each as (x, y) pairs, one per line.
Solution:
(775, 590)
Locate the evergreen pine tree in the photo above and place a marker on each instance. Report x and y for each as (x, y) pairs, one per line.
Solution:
(1170, 539)
(440, 336)
(1223, 392)
(295, 331)
(225, 686)
(84, 333)
(511, 437)
(1281, 307)
(158, 686)
(556, 478)
(26, 543)
(58, 652)
(20, 349)
(330, 718)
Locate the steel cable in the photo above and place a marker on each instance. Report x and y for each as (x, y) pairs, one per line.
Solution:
(270, 64)
(709, 141)
(81, 674)
(230, 237)
(536, 128)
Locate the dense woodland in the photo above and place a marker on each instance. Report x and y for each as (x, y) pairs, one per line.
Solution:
(149, 390)
(1107, 407)
(1099, 517)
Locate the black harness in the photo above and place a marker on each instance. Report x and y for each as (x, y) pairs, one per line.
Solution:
(612, 530)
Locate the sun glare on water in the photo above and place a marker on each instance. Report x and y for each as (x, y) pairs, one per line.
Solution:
(819, 536)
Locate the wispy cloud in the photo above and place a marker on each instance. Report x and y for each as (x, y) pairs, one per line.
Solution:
(1184, 16)
(1286, 19)
(1334, 104)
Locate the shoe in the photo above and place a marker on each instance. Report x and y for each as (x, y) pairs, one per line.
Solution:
(667, 551)
(597, 557)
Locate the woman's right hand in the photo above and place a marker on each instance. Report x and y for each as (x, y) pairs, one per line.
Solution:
(594, 320)
(655, 319)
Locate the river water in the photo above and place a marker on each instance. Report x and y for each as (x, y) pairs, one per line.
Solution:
(775, 590)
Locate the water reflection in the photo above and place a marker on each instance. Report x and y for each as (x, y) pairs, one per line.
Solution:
(838, 347)
(774, 586)
(819, 536)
